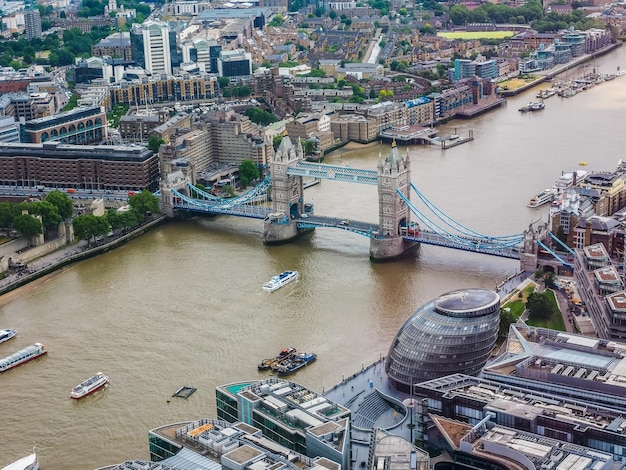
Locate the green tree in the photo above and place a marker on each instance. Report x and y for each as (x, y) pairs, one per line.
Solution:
(259, 116)
(276, 141)
(116, 220)
(507, 318)
(88, 227)
(539, 305)
(308, 146)
(459, 14)
(332, 14)
(72, 102)
(48, 212)
(248, 171)
(223, 82)
(277, 21)
(64, 205)
(317, 73)
(27, 225)
(154, 142)
(6, 215)
(144, 202)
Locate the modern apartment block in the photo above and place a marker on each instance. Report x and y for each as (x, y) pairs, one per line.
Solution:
(32, 21)
(290, 415)
(163, 88)
(602, 290)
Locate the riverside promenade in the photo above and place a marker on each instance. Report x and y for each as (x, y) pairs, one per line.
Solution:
(70, 254)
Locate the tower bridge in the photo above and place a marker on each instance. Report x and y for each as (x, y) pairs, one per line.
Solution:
(402, 224)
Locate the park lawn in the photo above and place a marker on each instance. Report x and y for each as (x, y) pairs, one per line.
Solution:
(515, 83)
(469, 35)
(42, 54)
(555, 322)
(518, 305)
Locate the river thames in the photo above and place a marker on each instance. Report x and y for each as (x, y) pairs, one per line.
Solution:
(183, 305)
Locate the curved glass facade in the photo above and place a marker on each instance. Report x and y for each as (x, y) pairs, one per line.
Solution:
(454, 333)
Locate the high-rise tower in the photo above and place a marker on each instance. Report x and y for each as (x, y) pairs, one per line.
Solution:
(156, 46)
(32, 21)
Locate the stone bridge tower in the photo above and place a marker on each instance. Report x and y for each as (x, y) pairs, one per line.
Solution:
(528, 256)
(287, 194)
(172, 179)
(394, 173)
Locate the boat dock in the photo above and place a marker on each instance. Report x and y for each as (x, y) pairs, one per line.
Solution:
(449, 142)
(409, 134)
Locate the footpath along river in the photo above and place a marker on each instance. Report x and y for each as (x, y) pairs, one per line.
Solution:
(183, 305)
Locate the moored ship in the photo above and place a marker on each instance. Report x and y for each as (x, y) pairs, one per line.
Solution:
(294, 363)
(284, 354)
(30, 462)
(6, 335)
(542, 198)
(23, 356)
(280, 280)
(89, 386)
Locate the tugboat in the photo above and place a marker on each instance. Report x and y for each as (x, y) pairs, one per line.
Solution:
(284, 354)
(293, 363)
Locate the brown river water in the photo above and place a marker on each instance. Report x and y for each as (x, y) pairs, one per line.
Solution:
(183, 305)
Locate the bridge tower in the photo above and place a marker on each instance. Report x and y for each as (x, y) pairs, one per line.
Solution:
(172, 179)
(287, 194)
(528, 257)
(394, 173)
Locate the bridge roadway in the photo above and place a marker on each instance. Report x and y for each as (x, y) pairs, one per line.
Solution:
(475, 245)
(367, 229)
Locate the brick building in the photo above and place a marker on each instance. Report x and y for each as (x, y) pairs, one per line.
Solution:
(79, 166)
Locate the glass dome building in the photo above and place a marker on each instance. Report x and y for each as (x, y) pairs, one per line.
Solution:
(454, 333)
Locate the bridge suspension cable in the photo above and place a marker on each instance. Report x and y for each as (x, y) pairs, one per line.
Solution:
(462, 229)
(209, 200)
(466, 237)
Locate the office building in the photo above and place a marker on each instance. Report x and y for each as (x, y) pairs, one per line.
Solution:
(78, 126)
(233, 64)
(9, 129)
(152, 50)
(454, 333)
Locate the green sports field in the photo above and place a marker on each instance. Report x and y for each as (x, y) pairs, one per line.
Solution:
(476, 34)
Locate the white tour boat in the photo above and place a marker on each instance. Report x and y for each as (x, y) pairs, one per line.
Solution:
(280, 280)
(6, 335)
(29, 462)
(23, 356)
(89, 386)
(542, 198)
